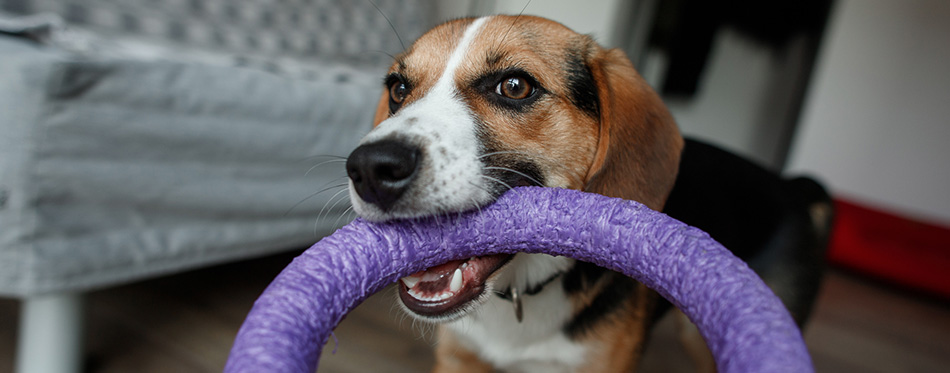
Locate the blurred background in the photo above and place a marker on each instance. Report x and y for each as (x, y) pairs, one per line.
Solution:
(162, 160)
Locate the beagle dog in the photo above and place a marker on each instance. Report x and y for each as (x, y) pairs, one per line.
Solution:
(478, 106)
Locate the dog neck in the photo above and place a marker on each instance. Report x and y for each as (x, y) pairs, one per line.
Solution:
(514, 295)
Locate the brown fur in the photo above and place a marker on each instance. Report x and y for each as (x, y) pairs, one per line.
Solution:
(639, 147)
(620, 342)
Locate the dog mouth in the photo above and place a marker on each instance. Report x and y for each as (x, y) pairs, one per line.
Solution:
(386, 190)
(445, 290)
(448, 291)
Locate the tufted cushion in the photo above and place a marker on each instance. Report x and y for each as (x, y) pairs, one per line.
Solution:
(328, 30)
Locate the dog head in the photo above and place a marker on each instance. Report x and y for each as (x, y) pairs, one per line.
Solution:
(478, 106)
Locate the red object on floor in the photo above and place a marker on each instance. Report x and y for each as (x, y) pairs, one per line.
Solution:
(901, 250)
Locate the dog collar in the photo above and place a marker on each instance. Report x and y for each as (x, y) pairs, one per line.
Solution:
(513, 295)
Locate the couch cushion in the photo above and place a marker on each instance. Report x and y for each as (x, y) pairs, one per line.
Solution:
(115, 170)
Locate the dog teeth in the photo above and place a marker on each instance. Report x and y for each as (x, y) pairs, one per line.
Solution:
(431, 298)
(410, 281)
(456, 283)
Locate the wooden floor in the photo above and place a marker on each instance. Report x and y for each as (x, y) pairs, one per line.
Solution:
(186, 323)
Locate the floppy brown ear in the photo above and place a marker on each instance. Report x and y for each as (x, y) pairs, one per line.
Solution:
(639, 144)
(382, 109)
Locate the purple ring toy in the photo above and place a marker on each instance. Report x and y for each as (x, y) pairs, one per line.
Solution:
(746, 326)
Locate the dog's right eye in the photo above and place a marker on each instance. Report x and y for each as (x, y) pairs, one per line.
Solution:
(398, 90)
(397, 93)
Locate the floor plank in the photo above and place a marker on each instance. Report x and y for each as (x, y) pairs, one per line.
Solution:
(187, 322)
(862, 326)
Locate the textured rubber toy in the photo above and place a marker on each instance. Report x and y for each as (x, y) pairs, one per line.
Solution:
(746, 326)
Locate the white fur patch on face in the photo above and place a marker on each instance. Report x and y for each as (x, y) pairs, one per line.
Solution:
(450, 176)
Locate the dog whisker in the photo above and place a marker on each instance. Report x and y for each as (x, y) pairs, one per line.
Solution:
(397, 312)
(327, 204)
(391, 25)
(483, 156)
(336, 223)
(325, 215)
(331, 156)
(335, 180)
(442, 216)
(509, 187)
(334, 226)
(315, 194)
(533, 180)
(474, 203)
(504, 38)
(381, 51)
(323, 163)
(486, 190)
(429, 331)
(344, 198)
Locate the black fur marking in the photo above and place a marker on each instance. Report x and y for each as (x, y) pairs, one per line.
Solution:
(581, 277)
(580, 83)
(513, 169)
(760, 216)
(617, 289)
(519, 173)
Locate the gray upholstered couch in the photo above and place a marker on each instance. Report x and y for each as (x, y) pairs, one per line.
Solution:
(140, 138)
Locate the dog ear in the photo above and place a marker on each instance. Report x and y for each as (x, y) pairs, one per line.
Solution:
(382, 109)
(639, 144)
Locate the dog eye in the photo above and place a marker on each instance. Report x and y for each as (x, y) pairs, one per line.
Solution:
(398, 90)
(514, 88)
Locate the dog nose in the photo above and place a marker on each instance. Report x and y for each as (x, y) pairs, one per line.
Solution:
(382, 171)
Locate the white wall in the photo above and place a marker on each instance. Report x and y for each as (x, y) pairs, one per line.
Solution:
(744, 99)
(876, 124)
(596, 17)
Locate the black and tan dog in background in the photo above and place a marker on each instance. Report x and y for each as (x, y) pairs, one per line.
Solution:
(478, 106)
